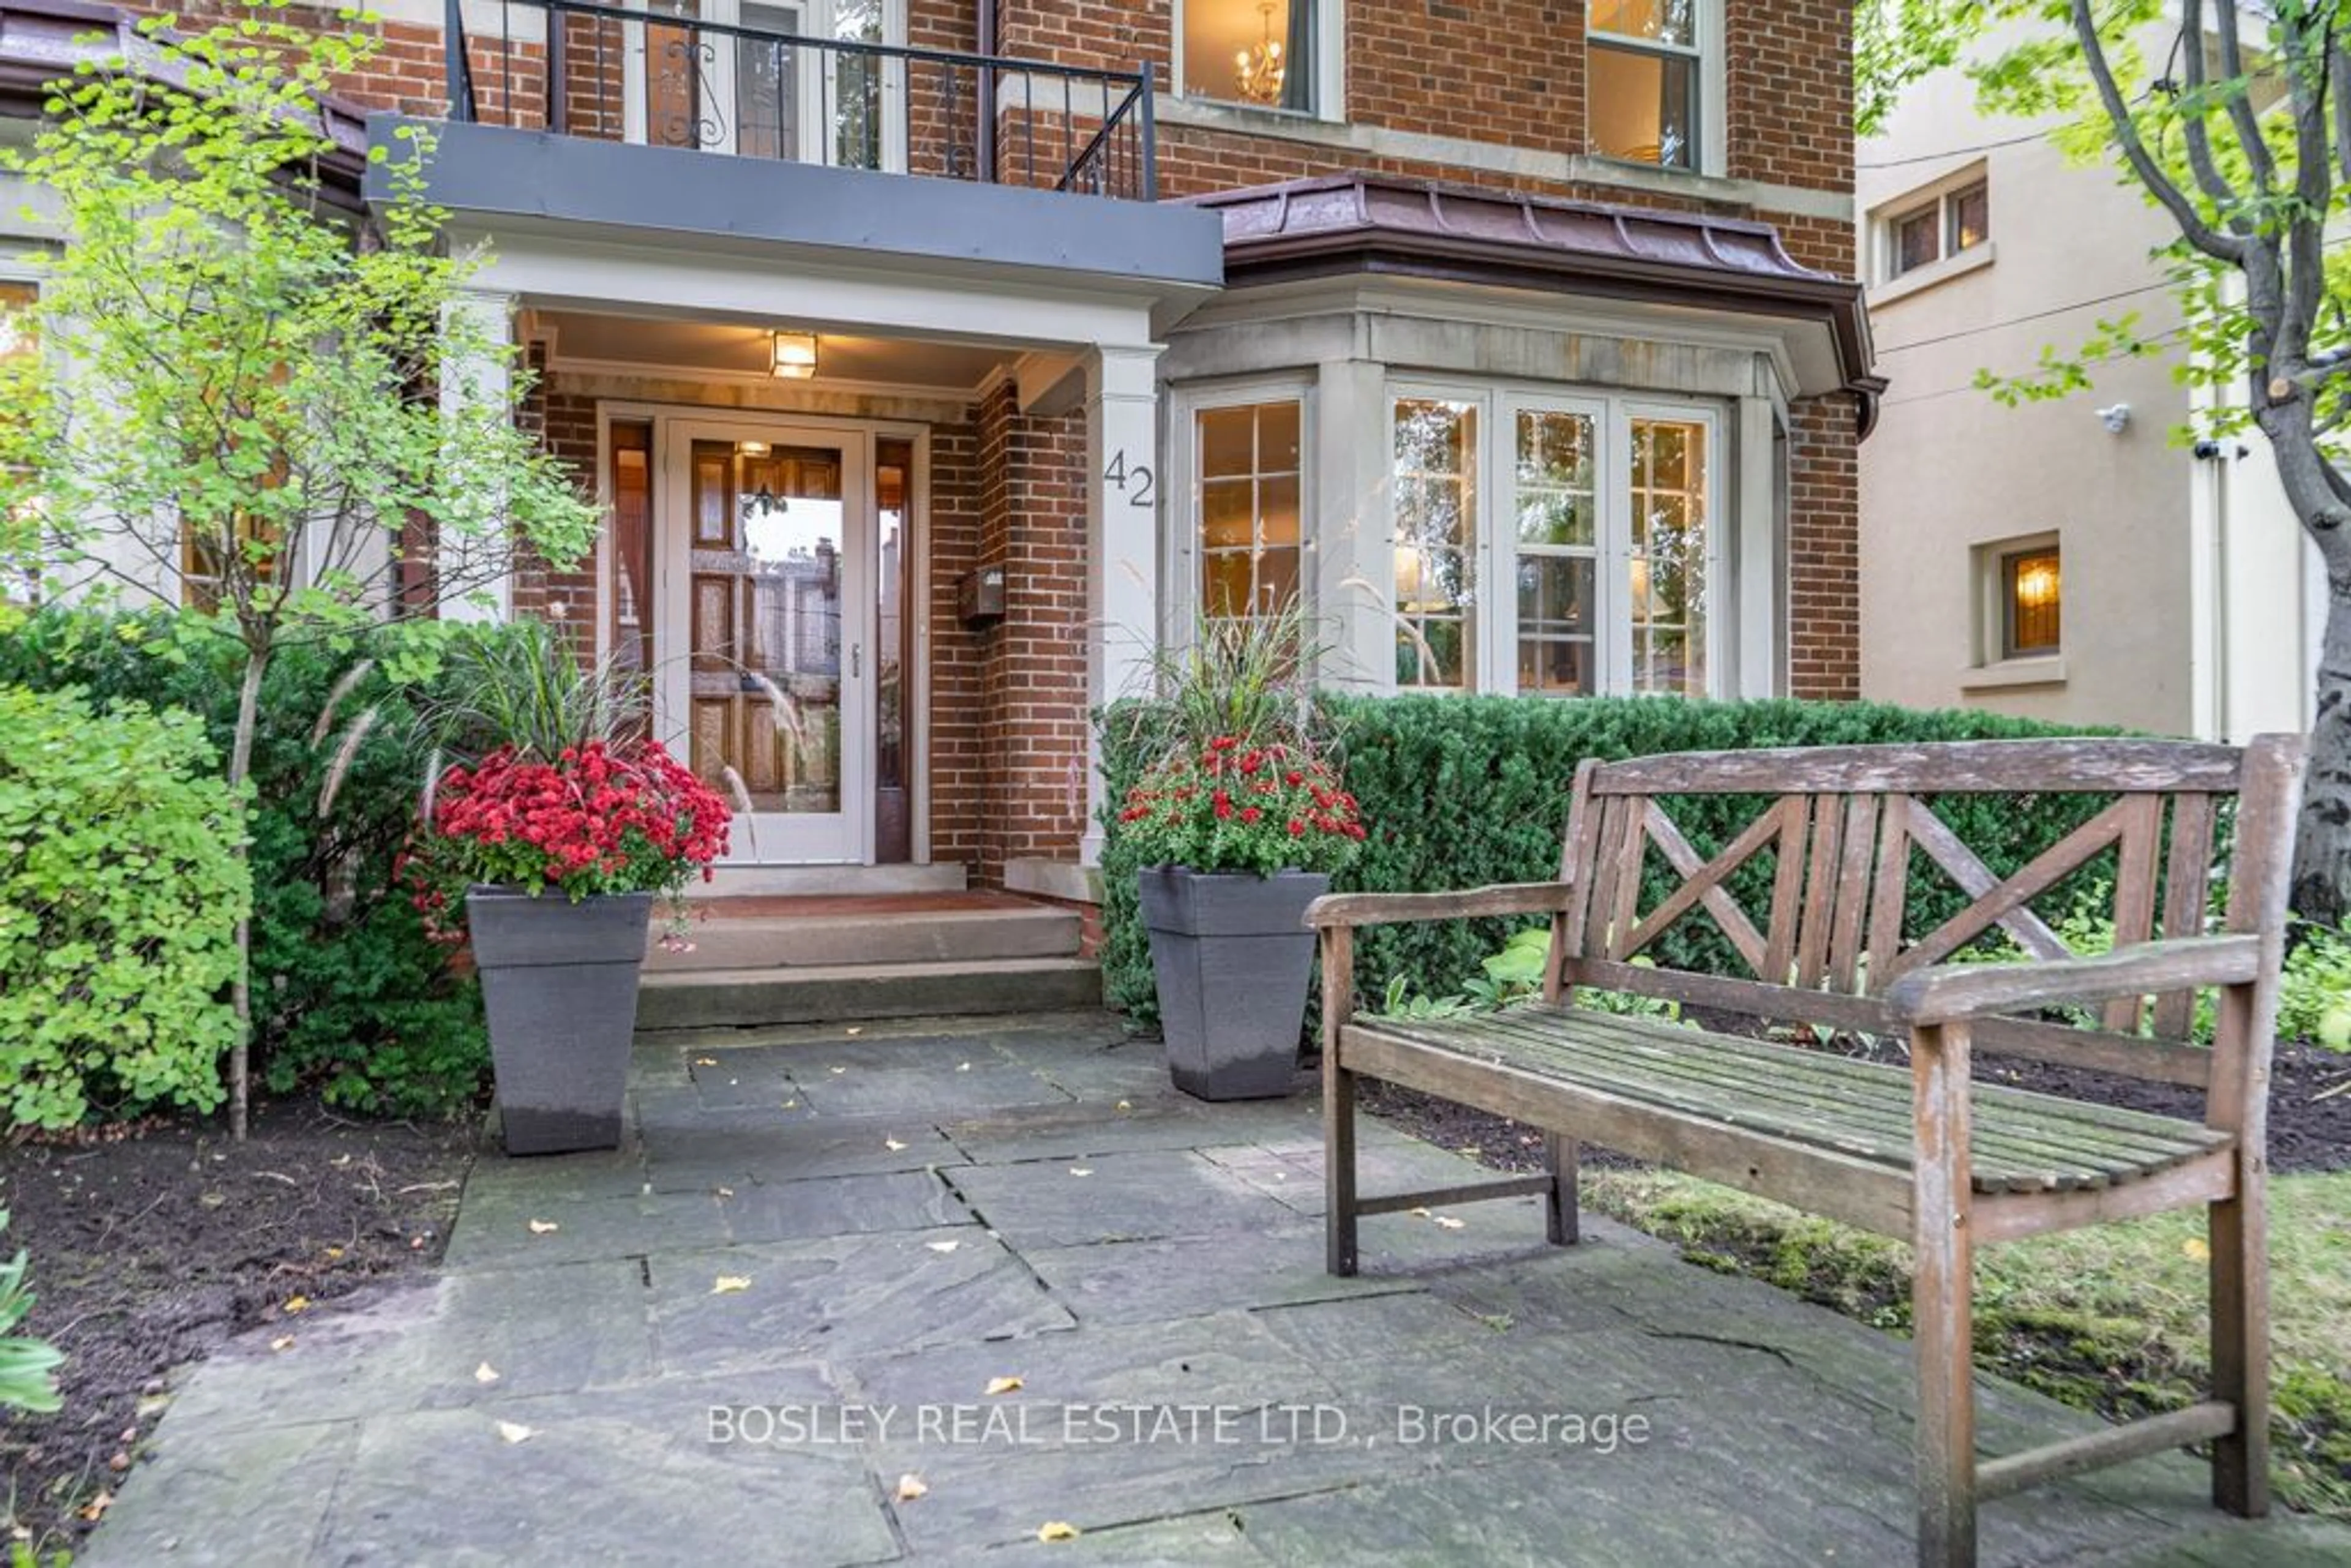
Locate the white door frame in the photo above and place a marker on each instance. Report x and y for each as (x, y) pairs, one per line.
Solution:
(775, 838)
(812, 71)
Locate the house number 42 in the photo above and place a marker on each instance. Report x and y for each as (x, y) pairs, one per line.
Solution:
(1135, 479)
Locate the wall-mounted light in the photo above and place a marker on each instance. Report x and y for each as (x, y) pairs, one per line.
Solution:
(795, 356)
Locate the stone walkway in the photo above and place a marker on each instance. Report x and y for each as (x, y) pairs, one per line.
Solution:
(729, 1344)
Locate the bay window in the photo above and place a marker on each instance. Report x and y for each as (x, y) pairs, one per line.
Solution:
(1248, 468)
(1597, 571)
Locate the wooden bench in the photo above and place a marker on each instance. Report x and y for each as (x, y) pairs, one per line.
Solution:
(1850, 929)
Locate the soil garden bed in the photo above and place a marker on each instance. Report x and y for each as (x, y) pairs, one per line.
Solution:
(149, 1250)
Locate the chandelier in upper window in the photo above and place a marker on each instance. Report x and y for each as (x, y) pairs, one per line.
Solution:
(1259, 69)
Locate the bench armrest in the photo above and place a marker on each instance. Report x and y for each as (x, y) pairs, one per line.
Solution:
(1944, 993)
(1351, 909)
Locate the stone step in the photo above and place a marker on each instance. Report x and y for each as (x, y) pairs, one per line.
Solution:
(737, 881)
(763, 939)
(741, 999)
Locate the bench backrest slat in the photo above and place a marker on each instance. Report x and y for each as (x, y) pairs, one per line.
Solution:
(1817, 890)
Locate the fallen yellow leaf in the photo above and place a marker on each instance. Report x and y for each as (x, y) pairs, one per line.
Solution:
(723, 1191)
(792, 1104)
(334, 1252)
(1056, 1530)
(543, 1227)
(910, 1486)
(1123, 1105)
(486, 1372)
(963, 1067)
(283, 1342)
(942, 1246)
(2194, 1246)
(705, 1061)
(1447, 1221)
(893, 1145)
(95, 1509)
(1418, 1213)
(515, 1432)
(1080, 1170)
(1004, 1384)
(298, 1305)
(728, 1284)
(857, 1030)
(838, 1071)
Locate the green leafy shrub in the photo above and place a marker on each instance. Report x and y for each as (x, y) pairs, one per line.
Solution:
(27, 1365)
(119, 894)
(1458, 792)
(2315, 998)
(352, 998)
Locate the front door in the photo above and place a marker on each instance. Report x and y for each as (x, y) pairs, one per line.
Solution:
(768, 534)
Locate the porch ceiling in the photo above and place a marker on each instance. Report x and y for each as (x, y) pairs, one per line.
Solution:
(737, 350)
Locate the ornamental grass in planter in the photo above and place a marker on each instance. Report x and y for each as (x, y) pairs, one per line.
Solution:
(1238, 829)
(560, 838)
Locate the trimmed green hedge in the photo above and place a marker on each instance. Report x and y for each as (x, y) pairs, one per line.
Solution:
(1461, 792)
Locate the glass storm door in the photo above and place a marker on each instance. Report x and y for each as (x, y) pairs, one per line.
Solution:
(769, 540)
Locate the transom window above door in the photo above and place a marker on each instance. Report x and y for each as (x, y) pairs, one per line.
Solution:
(1556, 547)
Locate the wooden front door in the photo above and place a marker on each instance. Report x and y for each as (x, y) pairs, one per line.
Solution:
(770, 542)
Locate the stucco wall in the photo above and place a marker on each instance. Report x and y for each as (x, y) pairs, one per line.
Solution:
(1950, 470)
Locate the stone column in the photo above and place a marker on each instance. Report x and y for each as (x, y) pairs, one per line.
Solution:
(471, 382)
(1354, 550)
(1124, 486)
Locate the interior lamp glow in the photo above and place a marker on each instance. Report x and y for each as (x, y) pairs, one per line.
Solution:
(795, 356)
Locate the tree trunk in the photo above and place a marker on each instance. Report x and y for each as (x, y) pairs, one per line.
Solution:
(2322, 848)
(240, 763)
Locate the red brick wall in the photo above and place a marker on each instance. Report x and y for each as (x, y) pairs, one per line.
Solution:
(1033, 731)
(1824, 550)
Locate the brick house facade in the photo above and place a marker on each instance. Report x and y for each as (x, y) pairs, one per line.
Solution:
(1438, 243)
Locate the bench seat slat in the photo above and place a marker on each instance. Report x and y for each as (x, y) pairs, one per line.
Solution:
(1859, 1111)
(2039, 1117)
(2023, 1154)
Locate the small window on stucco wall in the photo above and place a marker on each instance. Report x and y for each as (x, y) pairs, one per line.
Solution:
(2021, 593)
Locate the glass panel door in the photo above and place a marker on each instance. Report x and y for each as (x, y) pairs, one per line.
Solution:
(1555, 509)
(1667, 573)
(776, 612)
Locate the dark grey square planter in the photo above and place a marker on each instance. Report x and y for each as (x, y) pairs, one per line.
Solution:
(560, 984)
(1232, 955)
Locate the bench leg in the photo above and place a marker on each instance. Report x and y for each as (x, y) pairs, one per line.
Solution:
(1339, 1164)
(1338, 1104)
(2237, 1230)
(1940, 1299)
(1561, 1219)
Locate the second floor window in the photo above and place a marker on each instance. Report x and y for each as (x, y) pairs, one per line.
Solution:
(1951, 223)
(1646, 62)
(1255, 52)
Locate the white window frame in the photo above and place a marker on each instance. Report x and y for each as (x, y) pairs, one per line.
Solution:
(1941, 198)
(1182, 569)
(1493, 664)
(1711, 53)
(1330, 65)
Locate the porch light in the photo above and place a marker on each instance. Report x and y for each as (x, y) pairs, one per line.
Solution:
(795, 356)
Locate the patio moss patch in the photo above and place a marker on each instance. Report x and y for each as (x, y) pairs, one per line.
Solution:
(2110, 1318)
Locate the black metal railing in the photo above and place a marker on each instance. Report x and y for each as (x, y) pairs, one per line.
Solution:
(630, 71)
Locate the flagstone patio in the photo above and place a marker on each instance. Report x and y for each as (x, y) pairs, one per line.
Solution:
(823, 1250)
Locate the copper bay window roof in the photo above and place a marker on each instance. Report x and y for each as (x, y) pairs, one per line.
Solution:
(1336, 225)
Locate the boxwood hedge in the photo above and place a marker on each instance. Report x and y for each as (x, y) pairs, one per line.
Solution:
(1462, 791)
